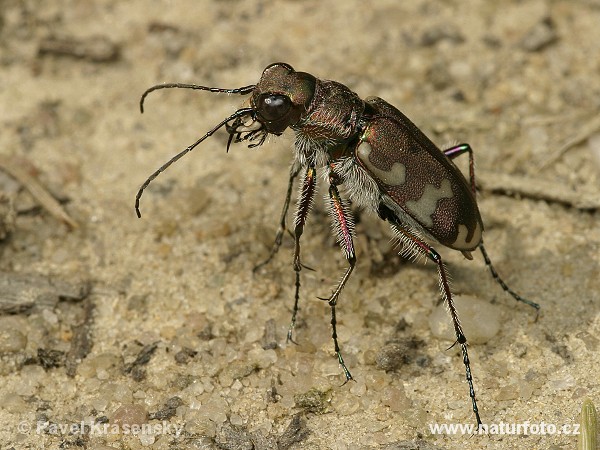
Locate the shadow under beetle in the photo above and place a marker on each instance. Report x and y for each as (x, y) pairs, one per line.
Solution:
(382, 160)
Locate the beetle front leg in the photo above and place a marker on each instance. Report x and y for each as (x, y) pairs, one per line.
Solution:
(417, 245)
(307, 194)
(343, 226)
(294, 171)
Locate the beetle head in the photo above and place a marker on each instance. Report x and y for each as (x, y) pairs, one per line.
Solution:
(282, 96)
(278, 101)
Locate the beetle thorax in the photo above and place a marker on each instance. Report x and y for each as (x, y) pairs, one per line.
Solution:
(331, 120)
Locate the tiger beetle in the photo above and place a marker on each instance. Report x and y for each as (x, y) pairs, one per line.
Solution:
(385, 164)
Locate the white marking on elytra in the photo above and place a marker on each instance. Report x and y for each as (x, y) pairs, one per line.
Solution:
(461, 240)
(396, 176)
(424, 208)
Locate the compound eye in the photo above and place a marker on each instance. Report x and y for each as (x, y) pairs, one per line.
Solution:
(274, 106)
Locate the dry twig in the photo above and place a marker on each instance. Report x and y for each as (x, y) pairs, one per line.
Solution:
(585, 132)
(584, 199)
(15, 169)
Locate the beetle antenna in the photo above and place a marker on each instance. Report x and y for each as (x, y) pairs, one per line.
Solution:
(242, 90)
(238, 113)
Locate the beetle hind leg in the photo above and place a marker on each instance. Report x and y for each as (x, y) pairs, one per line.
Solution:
(418, 245)
(501, 282)
(458, 150)
(452, 153)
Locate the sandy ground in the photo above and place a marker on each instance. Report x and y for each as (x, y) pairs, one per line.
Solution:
(162, 321)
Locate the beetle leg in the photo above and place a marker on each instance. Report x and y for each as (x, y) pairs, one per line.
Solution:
(418, 245)
(294, 171)
(501, 282)
(458, 150)
(451, 153)
(307, 194)
(344, 228)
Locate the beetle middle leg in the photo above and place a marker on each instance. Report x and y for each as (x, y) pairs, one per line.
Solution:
(452, 153)
(416, 245)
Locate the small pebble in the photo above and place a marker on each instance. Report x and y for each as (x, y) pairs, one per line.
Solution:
(147, 439)
(34, 375)
(270, 335)
(313, 400)
(435, 34)
(235, 371)
(262, 358)
(236, 420)
(116, 392)
(254, 334)
(130, 415)
(510, 392)
(525, 391)
(200, 425)
(184, 355)
(139, 394)
(13, 403)
(369, 357)
(49, 316)
(376, 380)
(174, 402)
(359, 388)
(99, 404)
(216, 409)
(12, 340)
(346, 404)
(395, 398)
(539, 36)
(394, 355)
(208, 385)
(480, 320)
(101, 366)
